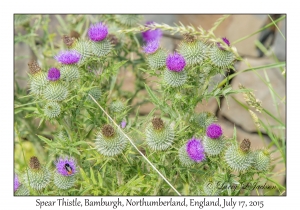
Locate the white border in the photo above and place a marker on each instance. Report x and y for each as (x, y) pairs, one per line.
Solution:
(8, 8)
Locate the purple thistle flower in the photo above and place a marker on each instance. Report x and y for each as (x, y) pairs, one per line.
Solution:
(214, 131)
(65, 166)
(150, 35)
(68, 57)
(151, 46)
(98, 32)
(16, 183)
(195, 149)
(123, 124)
(175, 62)
(226, 41)
(53, 74)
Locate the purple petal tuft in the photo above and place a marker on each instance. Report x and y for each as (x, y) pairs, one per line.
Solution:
(98, 32)
(195, 149)
(53, 74)
(175, 62)
(68, 57)
(62, 169)
(214, 131)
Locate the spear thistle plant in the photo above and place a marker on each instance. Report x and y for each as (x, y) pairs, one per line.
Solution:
(91, 124)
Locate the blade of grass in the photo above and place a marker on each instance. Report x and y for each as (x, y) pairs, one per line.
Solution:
(273, 65)
(256, 32)
(277, 28)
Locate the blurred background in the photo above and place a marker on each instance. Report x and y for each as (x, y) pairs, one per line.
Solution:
(265, 47)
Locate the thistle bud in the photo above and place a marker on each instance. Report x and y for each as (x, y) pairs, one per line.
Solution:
(159, 135)
(184, 157)
(116, 106)
(95, 93)
(128, 20)
(262, 160)
(221, 58)
(213, 146)
(194, 52)
(52, 109)
(37, 175)
(110, 142)
(157, 59)
(239, 158)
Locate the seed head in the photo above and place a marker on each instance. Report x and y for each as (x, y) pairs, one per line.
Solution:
(34, 67)
(245, 145)
(34, 163)
(188, 37)
(157, 123)
(108, 130)
(68, 40)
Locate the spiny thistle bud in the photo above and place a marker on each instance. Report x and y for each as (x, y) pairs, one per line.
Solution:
(64, 176)
(175, 62)
(210, 188)
(69, 72)
(52, 109)
(204, 119)
(38, 82)
(101, 48)
(19, 189)
(83, 47)
(151, 47)
(188, 37)
(34, 67)
(128, 20)
(68, 40)
(53, 74)
(175, 79)
(262, 160)
(157, 59)
(116, 106)
(237, 159)
(193, 52)
(95, 93)
(55, 91)
(110, 142)
(159, 135)
(37, 175)
(34, 163)
(98, 32)
(213, 146)
(214, 131)
(195, 150)
(63, 135)
(245, 145)
(150, 35)
(184, 157)
(157, 123)
(221, 58)
(68, 57)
